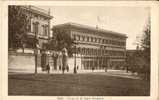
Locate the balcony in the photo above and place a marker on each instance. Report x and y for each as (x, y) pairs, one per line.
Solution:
(31, 34)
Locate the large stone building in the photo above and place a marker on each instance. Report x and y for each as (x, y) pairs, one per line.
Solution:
(38, 31)
(95, 47)
(39, 24)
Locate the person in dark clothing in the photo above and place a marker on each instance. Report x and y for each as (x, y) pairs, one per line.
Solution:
(60, 67)
(127, 68)
(67, 68)
(93, 69)
(77, 67)
(63, 69)
(48, 68)
(75, 70)
(106, 68)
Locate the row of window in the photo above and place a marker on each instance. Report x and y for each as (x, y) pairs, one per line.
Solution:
(44, 29)
(89, 51)
(97, 40)
(92, 64)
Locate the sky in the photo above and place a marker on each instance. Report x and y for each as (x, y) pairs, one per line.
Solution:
(128, 20)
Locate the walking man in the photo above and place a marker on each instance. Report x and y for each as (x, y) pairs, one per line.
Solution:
(75, 70)
(48, 68)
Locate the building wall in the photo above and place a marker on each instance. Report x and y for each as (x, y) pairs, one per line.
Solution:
(21, 63)
(96, 48)
(39, 23)
(94, 44)
(25, 61)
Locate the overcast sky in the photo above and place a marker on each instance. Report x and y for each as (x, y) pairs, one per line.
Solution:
(128, 20)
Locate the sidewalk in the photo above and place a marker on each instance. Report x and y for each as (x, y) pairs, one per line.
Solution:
(110, 72)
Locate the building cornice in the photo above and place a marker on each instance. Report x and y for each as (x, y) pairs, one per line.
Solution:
(37, 10)
(89, 28)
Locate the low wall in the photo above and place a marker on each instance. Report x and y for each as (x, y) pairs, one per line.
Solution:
(21, 62)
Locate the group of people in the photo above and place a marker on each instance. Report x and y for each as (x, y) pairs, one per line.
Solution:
(63, 69)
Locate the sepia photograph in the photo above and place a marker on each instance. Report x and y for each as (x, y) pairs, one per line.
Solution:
(79, 50)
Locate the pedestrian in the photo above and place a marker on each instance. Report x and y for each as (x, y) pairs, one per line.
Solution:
(67, 68)
(48, 68)
(59, 67)
(63, 69)
(127, 68)
(105, 68)
(77, 67)
(92, 69)
(75, 70)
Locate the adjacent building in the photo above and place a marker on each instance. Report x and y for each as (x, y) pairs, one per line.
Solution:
(38, 33)
(95, 48)
(39, 24)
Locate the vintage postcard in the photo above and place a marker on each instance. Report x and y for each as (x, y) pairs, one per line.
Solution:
(66, 50)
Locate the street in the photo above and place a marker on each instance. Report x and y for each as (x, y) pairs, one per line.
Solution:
(83, 84)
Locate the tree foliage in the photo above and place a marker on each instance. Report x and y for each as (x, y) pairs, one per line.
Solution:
(60, 40)
(145, 43)
(139, 60)
(18, 26)
(146, 46)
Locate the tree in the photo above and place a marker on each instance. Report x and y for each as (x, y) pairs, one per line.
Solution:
(61, 40)
(145, 44)
(18, 26)
(139, 60)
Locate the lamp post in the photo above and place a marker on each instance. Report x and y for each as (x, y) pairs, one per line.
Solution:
(75, 57)
(36, 50)
(36, 56)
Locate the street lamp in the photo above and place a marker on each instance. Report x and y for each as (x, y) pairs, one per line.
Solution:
(75, 54)
(75, 57)
(36, 50)
(36, 56)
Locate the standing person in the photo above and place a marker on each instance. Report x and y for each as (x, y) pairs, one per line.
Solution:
(127, 68)
(106, 68)
(75, 70)
(92, 69)
(59, 67)
(63, 69)
(67, 68)
(48, 68)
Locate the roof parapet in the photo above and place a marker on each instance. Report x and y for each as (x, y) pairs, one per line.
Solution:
(90, 28)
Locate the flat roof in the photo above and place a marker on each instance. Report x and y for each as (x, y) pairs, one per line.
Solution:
(80, 26)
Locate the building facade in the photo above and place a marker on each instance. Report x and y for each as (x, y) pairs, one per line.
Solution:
(39, 24)
(37, 36)
(95, 48)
